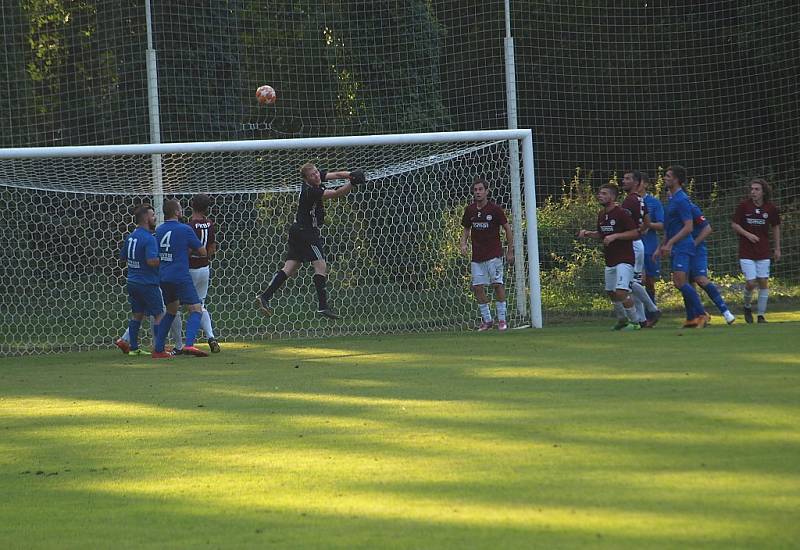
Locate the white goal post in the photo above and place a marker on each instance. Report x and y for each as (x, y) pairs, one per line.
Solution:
(402, 226)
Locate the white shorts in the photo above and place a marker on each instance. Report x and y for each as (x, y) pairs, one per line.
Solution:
(489, 272)
(619, 277)
(638, 261)
(200, 277)
(755, 269)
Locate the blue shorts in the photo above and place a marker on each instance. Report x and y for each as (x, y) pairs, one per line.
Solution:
(681, 261)
(180, 290)
(652, 268)
(145, 298)
(698, 265)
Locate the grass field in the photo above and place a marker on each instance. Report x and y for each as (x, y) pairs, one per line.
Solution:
(564, 437)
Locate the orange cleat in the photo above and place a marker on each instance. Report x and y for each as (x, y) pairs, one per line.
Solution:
(160, 355)
(124, 346)
(191, 350)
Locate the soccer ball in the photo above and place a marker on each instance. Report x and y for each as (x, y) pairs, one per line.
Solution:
(266, 95)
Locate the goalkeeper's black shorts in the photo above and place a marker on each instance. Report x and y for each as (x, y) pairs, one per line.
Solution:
(305, 244)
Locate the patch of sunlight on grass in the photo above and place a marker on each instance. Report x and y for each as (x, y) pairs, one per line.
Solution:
(356, 383)
(761, 358)
(226, 492)
(574, 374)
(43, 407)
(309, 353)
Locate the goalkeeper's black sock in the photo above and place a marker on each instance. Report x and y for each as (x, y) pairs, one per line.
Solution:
(277, 281)
(322, 294)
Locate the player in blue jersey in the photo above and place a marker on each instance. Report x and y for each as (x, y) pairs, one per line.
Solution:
(652, 267)
(678, 243)
(175, 239)
(698, 268)
(140, 252)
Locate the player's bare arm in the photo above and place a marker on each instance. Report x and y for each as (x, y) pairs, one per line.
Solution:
(630, 235)
(587, 234)
(666, 248)
(776, 237)
(704, 233)
(465, 234)
(738, 229)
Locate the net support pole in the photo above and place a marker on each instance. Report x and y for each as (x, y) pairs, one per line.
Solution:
(154, 118)
(516, 184)
(532, 233)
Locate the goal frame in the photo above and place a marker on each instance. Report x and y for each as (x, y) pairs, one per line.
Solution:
(523, 137)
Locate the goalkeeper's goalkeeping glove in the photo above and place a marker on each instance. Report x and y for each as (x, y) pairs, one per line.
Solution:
(357, 177)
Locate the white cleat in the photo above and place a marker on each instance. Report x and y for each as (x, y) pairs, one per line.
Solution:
(729, 317)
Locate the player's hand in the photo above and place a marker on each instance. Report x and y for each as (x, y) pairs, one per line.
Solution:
(582, 234)
(509, 254)
(777, 254)
(752, 238)
(464, 248)
(357, 177)
(608, 239)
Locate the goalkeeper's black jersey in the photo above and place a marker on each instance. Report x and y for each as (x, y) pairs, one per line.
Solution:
(310, 210)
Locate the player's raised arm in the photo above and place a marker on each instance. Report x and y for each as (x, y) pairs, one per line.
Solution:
(353, 177)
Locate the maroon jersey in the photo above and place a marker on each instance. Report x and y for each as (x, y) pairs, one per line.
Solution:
(485, 224)
(617, 220)
(634, 205)
(756, 220)
(206, 232)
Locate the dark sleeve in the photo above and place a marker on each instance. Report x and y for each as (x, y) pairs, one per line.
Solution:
(322, 175)
(212, 233)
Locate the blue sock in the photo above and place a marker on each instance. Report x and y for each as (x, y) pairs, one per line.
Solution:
(133, 333)
(163, 331)
(693, 304)
(713, 293)
(687, 308)
(192, 326)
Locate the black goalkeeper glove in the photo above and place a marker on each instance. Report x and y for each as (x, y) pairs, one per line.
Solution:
(357, 177)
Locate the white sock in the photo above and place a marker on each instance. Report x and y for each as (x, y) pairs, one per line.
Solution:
(175, 331)
(630, 313)
(640, 293)
(639, 310)
(126, 335)
(748, 297)
(763, 296)
(619, 310)
(205, 324)
(501, 311)
(486, 313)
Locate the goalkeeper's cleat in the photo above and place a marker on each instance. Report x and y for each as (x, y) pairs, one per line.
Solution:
(123, 346)
(327, 312)
(137, 352)
(502, 326)
(748, 315)
(263, 304)
(729, 317)
(761, 319)
(631, 326)
(485, 325)
(160, 355)
(621, 324)
(191, 350)
(692, 323)
(213, 345)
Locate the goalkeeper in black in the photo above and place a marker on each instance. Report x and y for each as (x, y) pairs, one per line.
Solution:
(305, 242)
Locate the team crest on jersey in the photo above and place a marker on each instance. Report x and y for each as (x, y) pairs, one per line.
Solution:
(613, 222)
(489, 217)
(765, 215)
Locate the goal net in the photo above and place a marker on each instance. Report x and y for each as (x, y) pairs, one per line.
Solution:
(393, 254)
